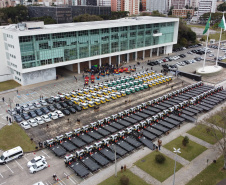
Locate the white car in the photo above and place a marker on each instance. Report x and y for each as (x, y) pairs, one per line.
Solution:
(46, 118)
(53, 115)
(38, 166)
(59, 113)
(32, 122)
(39, 120)
(43, 102)
(25, 125)
(31, 107)
(36, 160)
(25, 108)
(36, 104)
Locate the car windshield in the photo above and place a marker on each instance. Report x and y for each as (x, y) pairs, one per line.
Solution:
(33, 161)
(34, 166)
(2, 157)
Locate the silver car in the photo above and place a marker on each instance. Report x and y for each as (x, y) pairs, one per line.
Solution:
(31, 106)
(37, 104)
(32, 122)
(39, 120)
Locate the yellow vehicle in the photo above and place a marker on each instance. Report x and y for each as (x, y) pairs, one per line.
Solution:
(80, 93)
(96, 88)
(160, 81)
(156, 82)
(86, 91)
(102, 100)
(99, 93)
(73, 94)
(150, 84)
(164, 79)
(109, 90)
(168, 78)
(153, 83)
(84, 105)
(90, 103)
(82, 99)
(113, 96)
(114, 89)
(91, 89)
(105, 92)
(67, 96)
(96, 101)
(107, 98)
(75, 100)
(88, 97)
(161, 75)
(105, 85)
(100, 86)
(123, 93)
(93, 95)
(118, 94)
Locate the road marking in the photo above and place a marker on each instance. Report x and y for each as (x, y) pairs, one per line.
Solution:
(61, 181)
(1, 175)
(19, 165)
(26, 158)
(2, 183)
(70, 178)
(46, 154)
(9, 168)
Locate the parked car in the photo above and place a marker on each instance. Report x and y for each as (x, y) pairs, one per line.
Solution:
(32, 114)
(66, 112)
(53, 115)
(38, 166)
(25, 116)
(32, 122)
(25, 107)
(70, 103)
(17, 118)
(39, 120)
(38, 112)
(77, 108)
(46, 118)
(35, 160)
(43, 102)
(37, 104)
(59, 113)
(11, 112)
(49, 100)
(31, 106)
(45, 110)
(57, 106)
(71, 109)
(25, 125)
(51, 108)
(63, 104)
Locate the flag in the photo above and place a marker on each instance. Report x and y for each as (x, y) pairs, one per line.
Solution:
(207, 26)
(222, 23)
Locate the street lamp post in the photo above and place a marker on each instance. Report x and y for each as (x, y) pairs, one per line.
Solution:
(175, 151)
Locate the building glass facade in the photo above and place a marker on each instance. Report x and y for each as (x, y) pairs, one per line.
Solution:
(39, 50)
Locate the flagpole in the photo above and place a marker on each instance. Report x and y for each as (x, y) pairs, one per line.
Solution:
(204, 62)
(219, 45)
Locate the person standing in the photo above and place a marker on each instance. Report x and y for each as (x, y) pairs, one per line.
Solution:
(7, 118)
(10, 121)
(121, 169)
(3, 99)
(159, 143)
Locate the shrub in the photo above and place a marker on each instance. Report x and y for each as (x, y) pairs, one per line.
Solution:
(124, 180)
(159, 158)
(185, 141)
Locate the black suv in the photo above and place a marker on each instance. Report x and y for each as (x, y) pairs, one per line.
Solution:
(57, 106)
(38, 112)
(25, 116)
(49, 100)
(66, 112)
(77, 108)
(17, 118)
(51, 108)
(32, 114)
(63, 104)
(71, 109)
(45, 110)
(70, 103)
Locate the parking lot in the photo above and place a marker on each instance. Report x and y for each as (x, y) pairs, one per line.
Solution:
(18, 168)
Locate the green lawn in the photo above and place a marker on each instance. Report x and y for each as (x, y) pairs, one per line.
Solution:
(211, 175)
(12, 136)
(218, 118)
(196, 26)
(133, 179)
(10, 84)
(159, 171)
(191, 151)
(200, 131)
(216, 36)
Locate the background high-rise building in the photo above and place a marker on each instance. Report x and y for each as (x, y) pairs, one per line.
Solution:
(126, 5)
(103, 2)
(160, 5)
(178, 4)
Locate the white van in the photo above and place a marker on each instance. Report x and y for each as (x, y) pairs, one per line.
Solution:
(11, 154)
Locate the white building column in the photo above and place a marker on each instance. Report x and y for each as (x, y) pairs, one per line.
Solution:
(157, 51)
(150, 52)
(127, 57)
(143, 54)
(78, 68)
(109, 60)
(118, 59)
(90, 64)
(100, 62)
(136, 56)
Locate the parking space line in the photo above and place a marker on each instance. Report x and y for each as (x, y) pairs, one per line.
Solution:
(19, 165)
(46, 154)
(9, 168)
(2, 183)
(26, 158)
(1, 175)
(70, 178)
(61, 181)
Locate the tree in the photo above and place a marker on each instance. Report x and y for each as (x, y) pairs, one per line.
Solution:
(171, 10)
(222, 7)
(87, 18)
(141, 7)
(45, 19)
(144, 14)
(156, 13)
(219, 124)
(185, 141)
(119, 14)
(124, 180)
(160, 158)
(188, 15)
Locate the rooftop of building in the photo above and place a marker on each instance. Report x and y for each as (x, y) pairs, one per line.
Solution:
(79, 26)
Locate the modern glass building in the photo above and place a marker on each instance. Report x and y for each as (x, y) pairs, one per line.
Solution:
(34, 50)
